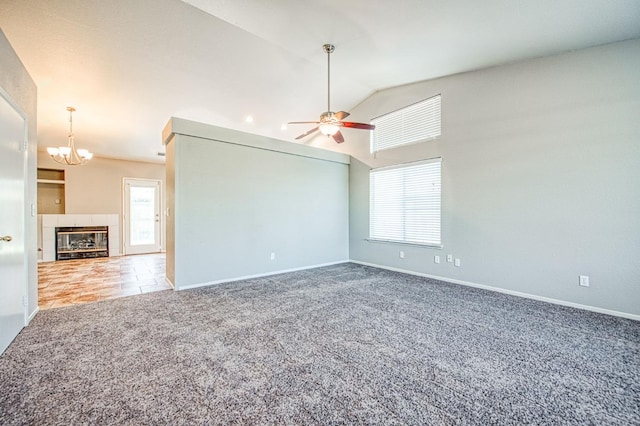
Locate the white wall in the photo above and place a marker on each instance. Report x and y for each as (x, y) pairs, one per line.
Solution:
(541, 177)
(236, 198)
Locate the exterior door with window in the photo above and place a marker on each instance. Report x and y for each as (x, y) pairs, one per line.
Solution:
(141, 216)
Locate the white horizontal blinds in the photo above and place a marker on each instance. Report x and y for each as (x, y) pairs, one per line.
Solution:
(405, 203)
(414, 123)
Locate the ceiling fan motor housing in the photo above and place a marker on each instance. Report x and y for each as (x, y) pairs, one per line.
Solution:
(328, 116)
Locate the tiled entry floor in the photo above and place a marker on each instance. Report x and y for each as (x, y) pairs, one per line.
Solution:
(70, 282)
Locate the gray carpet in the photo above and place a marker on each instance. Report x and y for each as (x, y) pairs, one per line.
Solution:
(345, 344)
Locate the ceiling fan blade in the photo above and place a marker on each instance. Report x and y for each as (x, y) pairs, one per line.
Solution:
(303, 122)
(307, 133)
(341, 115)
(338, 137)
(358, 125)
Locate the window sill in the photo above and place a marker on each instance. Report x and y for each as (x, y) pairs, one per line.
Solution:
(435, 246)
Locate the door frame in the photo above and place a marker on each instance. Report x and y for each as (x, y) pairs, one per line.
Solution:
(26, 209)
(125, 219)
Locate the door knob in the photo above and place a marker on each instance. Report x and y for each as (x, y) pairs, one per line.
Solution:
(6, 238)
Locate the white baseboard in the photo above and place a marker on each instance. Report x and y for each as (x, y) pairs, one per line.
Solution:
(33, 315)
(247, 277)
(505, 291)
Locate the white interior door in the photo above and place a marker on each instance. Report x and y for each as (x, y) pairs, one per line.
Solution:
(13, 272)
(141, 216)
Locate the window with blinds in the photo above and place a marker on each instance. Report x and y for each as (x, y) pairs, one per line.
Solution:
(415, 123)
(405, 203)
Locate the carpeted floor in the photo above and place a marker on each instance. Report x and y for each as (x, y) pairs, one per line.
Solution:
(334, 345)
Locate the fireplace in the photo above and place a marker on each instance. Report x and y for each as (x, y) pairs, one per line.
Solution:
(81, 242)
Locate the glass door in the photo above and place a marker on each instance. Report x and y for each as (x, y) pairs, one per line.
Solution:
(141, 216)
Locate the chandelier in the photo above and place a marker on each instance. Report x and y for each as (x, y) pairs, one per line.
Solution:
(69, 155)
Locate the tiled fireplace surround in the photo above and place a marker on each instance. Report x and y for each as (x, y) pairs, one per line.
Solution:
(51, 221)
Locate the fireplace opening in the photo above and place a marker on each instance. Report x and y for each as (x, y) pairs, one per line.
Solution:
(81, 242)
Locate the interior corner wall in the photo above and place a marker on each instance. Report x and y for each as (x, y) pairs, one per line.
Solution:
(540, 177)
(16, 82)
(235, 205)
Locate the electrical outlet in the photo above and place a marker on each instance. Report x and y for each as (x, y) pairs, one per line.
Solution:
(449, 258)
(583, 280)
(273, 255)
(436, 259)
(456, 262)
(401, 254)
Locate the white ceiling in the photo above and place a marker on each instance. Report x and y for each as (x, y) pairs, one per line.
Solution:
(129, 65)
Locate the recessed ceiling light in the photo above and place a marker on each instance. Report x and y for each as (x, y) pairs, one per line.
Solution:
(249, 119)
(283, 127)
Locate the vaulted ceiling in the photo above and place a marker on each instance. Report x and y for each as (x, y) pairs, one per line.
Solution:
(127, 66)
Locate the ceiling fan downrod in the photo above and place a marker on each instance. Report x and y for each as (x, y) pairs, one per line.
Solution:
(328, 49)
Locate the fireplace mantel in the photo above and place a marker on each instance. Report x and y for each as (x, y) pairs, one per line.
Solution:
(52, 221)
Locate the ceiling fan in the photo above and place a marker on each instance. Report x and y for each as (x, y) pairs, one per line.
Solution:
(330, 122)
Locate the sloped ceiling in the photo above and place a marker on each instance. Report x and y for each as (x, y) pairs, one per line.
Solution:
(129, 65)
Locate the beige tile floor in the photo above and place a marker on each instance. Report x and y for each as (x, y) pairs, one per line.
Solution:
(70, 282)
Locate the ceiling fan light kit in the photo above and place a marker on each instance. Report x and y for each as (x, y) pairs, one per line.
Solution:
(329, 129)
(68, 155)
(330, 122)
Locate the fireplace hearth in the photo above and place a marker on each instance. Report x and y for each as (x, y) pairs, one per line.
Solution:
(81, 242)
